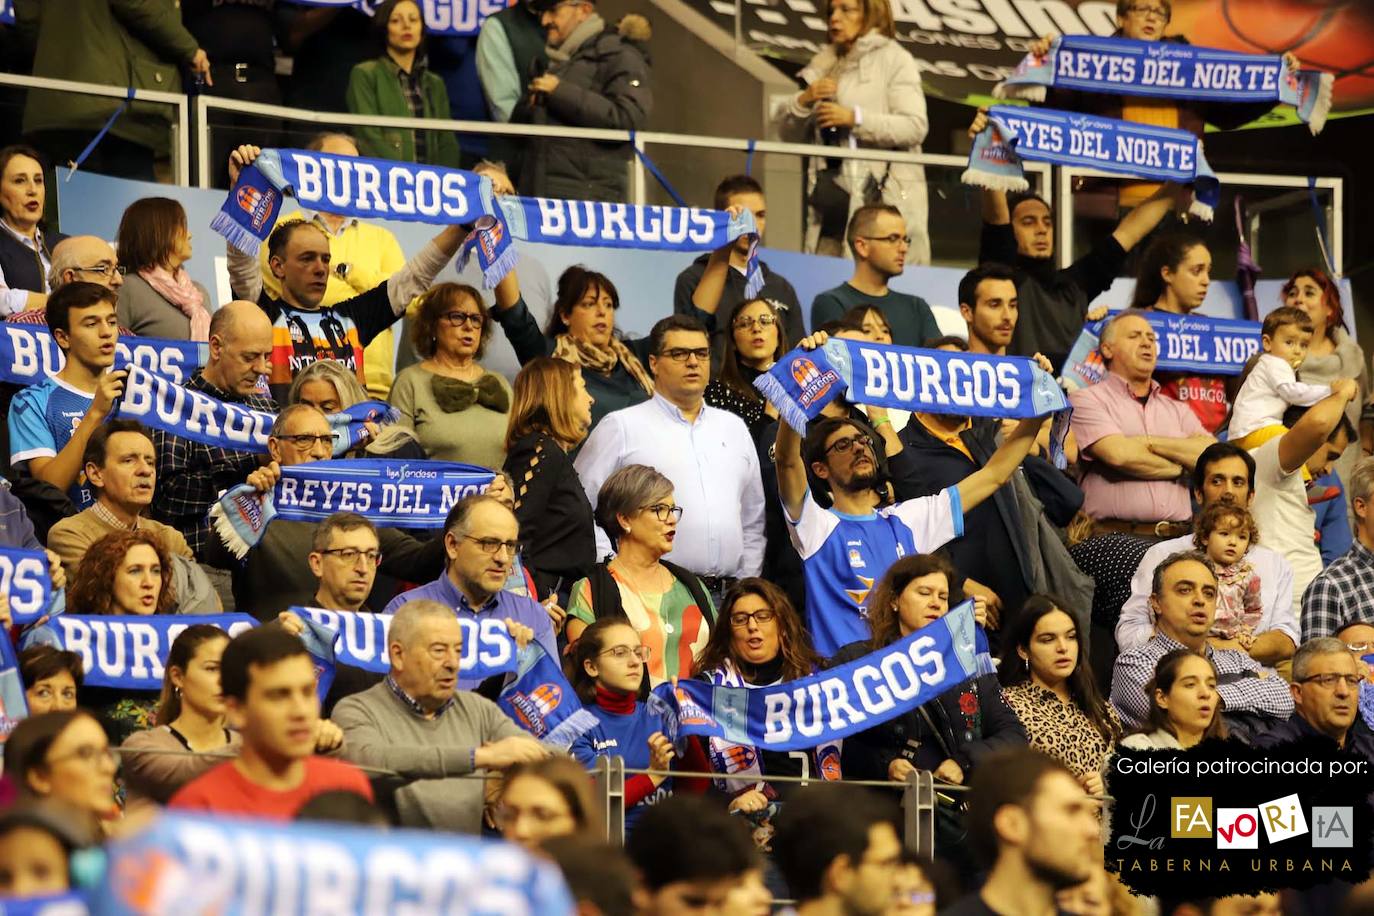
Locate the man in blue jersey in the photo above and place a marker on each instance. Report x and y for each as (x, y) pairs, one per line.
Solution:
(846, 549)
(51, 422)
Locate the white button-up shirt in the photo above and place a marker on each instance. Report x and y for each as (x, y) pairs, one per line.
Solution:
(715, 473)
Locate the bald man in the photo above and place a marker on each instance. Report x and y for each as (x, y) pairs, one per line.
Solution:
(79, 257)
(190, 475)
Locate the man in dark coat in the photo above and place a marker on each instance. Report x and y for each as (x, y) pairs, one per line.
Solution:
(598, 77)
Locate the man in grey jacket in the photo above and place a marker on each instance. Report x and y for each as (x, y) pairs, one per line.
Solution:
(597, 77)
(433, 736)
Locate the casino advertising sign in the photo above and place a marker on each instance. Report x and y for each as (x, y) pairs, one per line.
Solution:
(965, 47)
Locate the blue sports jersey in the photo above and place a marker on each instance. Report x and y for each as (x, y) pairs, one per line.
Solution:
(844, 556)
(623, 736)
(42, 420)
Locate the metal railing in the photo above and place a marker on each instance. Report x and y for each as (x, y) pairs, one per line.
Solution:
(181, 134)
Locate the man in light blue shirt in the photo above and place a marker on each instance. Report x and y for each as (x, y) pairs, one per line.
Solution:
(481, 540)
(707, 453)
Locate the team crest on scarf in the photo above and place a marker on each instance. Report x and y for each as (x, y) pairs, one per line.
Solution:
(257, 204)
(533, 708)
(814, 383)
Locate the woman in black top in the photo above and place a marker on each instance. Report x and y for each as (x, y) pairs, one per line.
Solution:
(754, 342)
(549, 417)
(25, 246)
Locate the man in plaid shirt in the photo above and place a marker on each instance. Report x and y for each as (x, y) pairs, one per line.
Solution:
(1344, 592)
(1184, 600)
(190, 476)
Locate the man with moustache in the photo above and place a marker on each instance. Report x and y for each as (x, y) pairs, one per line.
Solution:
(1184, 601)
(846, 549)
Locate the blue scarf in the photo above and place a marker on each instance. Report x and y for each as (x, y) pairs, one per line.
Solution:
(1195, 344)
(1166, 69)
(442, 17)
(834, 704)
(908, 378)
(611, 225)
(539, 699)
(24, 578)
(388, 493)
(161, 404)
(200, 863)
(28, 355)
(1064, 138)
(126, 652)
(359, 639)
(14, 707)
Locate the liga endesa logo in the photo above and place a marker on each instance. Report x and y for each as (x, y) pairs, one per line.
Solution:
(1223, 818)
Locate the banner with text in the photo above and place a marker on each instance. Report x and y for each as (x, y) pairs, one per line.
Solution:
(1187, 343)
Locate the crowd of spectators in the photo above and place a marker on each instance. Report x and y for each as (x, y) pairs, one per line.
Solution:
(652, 520)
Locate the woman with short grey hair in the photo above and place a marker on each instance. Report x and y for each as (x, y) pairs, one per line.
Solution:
(666, 604)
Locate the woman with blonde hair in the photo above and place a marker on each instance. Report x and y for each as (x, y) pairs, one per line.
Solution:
(331, 386)
(458, 410)
(865, 88)
(551, 414)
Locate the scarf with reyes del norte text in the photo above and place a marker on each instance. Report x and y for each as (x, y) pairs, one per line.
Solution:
(1016, 133)
(387, 492)
(28, 355)
(1194, 344)
(831, 705)
(25, 579)
(442, 17)
(1169, 70)
(159, 403)
(909, 378)
(200, 863)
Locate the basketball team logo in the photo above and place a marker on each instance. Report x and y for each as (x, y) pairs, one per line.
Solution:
(814, 383)
(689, 712)
(534, 708)
(828, 762)
(257, 205)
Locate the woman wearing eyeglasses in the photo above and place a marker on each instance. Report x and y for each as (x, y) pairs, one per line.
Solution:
(759, 642)
(331, 386)
(544, 799)
(756, 340)
(66, 757)
(666, 605)
(192, 717)
(458, 409)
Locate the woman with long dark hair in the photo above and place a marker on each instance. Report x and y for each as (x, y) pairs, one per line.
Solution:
(754, 341)
(758, 641)
(1185, 708)
(1048, 682)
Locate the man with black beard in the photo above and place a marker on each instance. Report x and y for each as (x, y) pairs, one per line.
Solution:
(1031, 822)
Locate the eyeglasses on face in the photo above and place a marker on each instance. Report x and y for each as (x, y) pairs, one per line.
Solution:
(350, 555)
(664, 512)
(682, 354)
(893, 239)
(1360, 648)
(105, 270)
(740, 619)
(88, 754)
(1329, 681)
(622, 653)
(508, 816)
(1141, 9)
(751, 321)
(305, 440)
(459, 319)
(842, 446)
(490, 546)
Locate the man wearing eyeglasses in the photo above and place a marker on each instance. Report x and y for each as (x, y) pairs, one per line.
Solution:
(481, 540)
(1326, 694)
(706, 452)
(879, 242)
(84, 258)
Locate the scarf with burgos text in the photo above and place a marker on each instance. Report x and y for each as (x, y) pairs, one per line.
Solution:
(159, 403)
(834, 704)
(28, 355)
(1169, 70)
(388, 493)
(359, 639)
(442, 17)
(196, 863)
(1014, 134)
(539, 699)
(1192, 344)
(909, 378)
(25, 579)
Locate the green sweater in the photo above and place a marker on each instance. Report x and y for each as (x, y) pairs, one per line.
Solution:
(374, 87)
(429, 754)
(909, 316)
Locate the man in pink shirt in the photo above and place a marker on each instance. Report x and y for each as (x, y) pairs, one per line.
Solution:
(1136, 444)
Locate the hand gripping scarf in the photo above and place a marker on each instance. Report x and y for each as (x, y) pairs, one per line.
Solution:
(387, 492)
(1194, 344)
(909, 378)
(834, 704)
(1166, 69)
(1088, 141)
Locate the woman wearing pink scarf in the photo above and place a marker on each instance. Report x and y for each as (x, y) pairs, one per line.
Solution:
(159, 298)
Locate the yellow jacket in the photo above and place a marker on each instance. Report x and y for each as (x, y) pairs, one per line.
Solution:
(372, 255)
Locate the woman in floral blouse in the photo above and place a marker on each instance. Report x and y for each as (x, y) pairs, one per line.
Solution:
(1048, 683)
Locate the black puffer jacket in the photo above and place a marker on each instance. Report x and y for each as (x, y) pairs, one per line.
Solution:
(605, 84)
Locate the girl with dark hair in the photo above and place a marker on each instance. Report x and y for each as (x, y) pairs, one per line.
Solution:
(1185, 707)
(1048, 682)
(65, 756)
(159, 298)
(607, 668)
(754, 341)
(191, 709)
(581, 331)
(759, 641)
(51, 679)
(950, 734)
